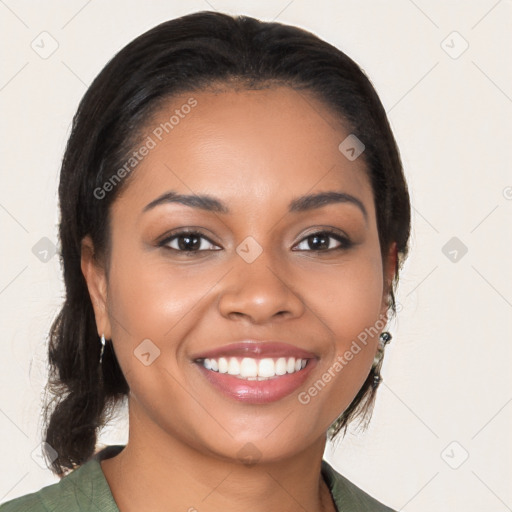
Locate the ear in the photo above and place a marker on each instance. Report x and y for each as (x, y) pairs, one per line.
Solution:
(96, 279)
(389, 274)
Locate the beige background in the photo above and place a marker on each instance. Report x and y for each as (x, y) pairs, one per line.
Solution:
(447, 393)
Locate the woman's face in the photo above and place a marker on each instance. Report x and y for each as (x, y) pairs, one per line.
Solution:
(260, 268)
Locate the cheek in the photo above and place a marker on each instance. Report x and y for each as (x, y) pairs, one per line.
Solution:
(149, 296)
(350, 300)
(348, 297)
(150, 300)
(148, 309)
(359, 302)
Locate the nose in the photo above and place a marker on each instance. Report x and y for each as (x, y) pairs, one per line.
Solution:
(260, 292)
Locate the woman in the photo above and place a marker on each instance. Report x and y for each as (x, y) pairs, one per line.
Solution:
(234, 217)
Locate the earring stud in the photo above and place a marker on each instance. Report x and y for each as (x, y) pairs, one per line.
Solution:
(385, 337)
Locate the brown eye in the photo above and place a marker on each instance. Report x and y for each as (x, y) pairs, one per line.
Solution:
(188, 241)
(324, 241)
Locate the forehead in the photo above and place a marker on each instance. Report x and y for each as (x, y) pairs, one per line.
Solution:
(238, 143)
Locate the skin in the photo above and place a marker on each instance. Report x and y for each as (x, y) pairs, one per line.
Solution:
(255, 151)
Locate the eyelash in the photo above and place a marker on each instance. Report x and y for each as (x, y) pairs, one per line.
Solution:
(344, 242)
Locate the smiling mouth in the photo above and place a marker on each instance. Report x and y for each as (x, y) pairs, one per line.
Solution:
(249, 368)
(256, 372)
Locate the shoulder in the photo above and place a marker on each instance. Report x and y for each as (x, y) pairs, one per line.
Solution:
(82, 490)
(347, 496)
(28, 502)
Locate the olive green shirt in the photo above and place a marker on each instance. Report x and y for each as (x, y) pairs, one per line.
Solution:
(86, 490)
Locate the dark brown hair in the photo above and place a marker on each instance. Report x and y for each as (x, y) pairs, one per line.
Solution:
(189, 53)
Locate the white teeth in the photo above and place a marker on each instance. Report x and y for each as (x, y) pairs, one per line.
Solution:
(248, 367)
(255, 369)
(281, 366)
(223, 365)
(266, 368)
(234, 366)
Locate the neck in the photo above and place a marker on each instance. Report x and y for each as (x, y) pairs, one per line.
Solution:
(159, 472)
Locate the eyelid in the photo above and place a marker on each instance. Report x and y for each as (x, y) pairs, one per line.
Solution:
(184, 230)
(325, 229)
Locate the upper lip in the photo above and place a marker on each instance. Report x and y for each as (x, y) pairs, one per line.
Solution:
(256, 349)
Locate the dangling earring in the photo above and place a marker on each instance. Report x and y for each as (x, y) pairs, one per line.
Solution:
(102, 340)
(384, 338)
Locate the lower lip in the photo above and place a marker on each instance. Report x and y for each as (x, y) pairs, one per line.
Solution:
(258, 391)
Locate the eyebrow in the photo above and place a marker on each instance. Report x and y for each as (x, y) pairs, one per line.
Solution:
(301, 204)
